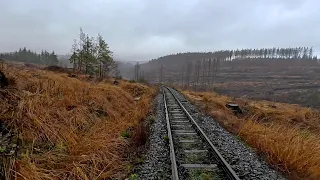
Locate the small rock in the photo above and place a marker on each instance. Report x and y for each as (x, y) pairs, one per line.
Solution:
(35, 75)
(7, 135)
(11, 153)
(13, 145)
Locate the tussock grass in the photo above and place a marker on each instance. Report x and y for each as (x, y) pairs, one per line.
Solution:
(286, 135)
(70, 128)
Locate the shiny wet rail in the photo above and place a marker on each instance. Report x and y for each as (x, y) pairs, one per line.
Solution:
(192, 154)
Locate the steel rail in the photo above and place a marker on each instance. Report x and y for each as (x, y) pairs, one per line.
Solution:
(224, 164)
(175, 175)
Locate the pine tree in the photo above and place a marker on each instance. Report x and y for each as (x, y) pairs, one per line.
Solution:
(74, 56)
(92, 56)
(137, 72)
(104, 56)
(82, 40)
(53, 59)
(88, 55)
(311, 53)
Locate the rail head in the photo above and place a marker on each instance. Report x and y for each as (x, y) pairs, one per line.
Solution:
(226, 166)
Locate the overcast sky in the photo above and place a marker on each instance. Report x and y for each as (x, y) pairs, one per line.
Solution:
(145, 29)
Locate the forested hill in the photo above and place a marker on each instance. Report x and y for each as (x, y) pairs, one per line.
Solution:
(28, 56)
(298, 53)
(170, 66)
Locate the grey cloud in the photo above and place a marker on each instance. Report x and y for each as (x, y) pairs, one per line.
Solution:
(145, 29)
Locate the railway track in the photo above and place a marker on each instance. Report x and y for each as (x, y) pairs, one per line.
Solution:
(192, 154)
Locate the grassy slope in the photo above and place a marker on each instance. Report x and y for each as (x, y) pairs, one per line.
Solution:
(287, 135)
(70, 128)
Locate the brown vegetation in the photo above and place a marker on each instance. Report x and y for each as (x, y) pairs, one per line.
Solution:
(57, 69)
(286, 81)
(69, 128)
(287, 135)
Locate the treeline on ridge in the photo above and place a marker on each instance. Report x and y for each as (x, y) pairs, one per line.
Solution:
(296, 53)
(199, 70)
(28, 56)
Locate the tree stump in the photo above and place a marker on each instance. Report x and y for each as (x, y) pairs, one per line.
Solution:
(116, 83)
(235, 108)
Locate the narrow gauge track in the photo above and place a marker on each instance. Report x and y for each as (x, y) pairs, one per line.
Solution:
(192, 154)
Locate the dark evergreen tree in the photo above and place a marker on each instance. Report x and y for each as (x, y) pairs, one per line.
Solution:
(92, 56)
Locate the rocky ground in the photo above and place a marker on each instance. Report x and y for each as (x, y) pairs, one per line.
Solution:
(245, 162)
(156, 163)
(8, 148)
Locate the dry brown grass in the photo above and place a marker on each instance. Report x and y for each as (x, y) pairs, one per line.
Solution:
(287, 135)
(70, 128)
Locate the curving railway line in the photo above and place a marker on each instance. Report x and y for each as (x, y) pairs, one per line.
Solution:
(192, 154)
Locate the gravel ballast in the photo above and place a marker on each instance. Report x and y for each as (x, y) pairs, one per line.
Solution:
(156, 163)
(245, 162)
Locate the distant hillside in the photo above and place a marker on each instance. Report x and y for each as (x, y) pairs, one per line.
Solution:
(287, 74)
(174, 63)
